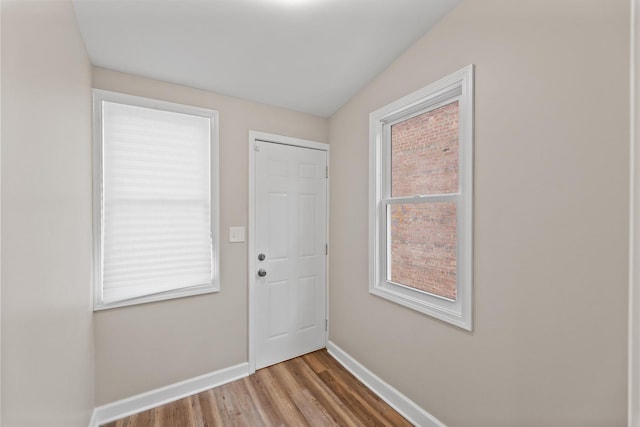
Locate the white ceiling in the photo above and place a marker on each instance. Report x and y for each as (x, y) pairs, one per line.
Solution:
(305, 55)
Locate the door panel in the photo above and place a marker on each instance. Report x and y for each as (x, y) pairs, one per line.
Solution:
(278, 216)
(290, 300)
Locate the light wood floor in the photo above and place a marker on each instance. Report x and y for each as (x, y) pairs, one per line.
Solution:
(311, 390)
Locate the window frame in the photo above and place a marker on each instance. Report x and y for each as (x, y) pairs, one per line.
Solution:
(100, 96)
(458, 86)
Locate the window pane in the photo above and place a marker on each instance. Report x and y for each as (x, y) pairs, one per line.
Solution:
(423, 247)
(424, 153)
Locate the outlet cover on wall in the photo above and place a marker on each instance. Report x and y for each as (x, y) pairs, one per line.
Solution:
(236, 234)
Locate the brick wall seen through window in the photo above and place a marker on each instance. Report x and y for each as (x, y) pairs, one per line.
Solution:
(424, 161)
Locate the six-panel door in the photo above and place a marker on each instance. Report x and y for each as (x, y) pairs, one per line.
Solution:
(290, 292)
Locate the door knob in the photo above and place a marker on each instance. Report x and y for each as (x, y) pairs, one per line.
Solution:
(261, 257)
(262, 272)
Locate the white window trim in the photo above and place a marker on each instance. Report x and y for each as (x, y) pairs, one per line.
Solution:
(457, 86)
(102, 95)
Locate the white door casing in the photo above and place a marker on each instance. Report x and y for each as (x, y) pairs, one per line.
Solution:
(288, 217)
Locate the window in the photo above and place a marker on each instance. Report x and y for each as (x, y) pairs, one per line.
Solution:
(421, 194)
(155, 200)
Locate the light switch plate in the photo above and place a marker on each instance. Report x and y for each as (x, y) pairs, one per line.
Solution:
(236, 234)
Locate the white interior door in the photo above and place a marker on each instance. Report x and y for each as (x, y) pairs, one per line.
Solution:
(290, 252)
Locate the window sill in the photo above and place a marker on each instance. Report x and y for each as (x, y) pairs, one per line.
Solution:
(163, 296)
(453, 312)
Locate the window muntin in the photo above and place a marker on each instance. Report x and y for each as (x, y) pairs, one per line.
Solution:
(155, 205)
(421, 199)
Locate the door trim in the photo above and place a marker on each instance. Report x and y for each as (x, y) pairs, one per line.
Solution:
(255, 136)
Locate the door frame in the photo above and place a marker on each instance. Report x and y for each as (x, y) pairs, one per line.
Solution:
(255, 136)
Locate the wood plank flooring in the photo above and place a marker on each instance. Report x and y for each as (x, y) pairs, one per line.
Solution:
(311, 390)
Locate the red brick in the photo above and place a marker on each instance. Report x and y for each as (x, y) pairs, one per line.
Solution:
(424, 160)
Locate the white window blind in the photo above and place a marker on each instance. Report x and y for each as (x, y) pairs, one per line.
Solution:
(156, 232)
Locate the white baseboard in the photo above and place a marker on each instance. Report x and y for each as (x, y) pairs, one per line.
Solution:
(92, 421)
(398, 401)
(160, 396)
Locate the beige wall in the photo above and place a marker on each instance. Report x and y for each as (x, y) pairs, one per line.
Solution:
(549, 346)
(47, 331)
(151, 345)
